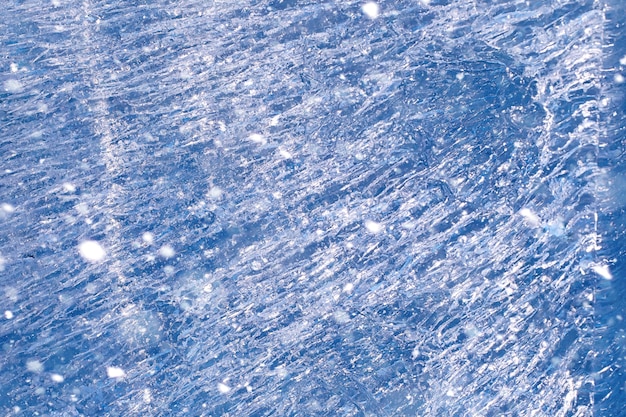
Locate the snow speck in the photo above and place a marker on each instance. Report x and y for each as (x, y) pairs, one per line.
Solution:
(341, 317)
(223, 388)
(34, 365)
(13, 86)
(371, 10)
(8, 314)
(622, 61)
(69, 187)
(373, 227)
(531, 218)
(460, 76)
(603, 271)
(91, 251)
(348, 288)
(7, 208)
(148, 238)
(285, 153)
(115, 372)
(215, 193)
(256, 138)
(147, 396)
(619, 78)
(167, 251)
(14, 68)
(57, 378)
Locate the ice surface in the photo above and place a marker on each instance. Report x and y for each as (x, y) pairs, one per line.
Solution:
(298, 208)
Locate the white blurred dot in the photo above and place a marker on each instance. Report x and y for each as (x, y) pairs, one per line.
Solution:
(530, 217)
(57, 378)
(285, 154)
(373, 227)
(622, 61)
(34, 365)
(115, 372)
(7, 208)
(619, 78)
(148, 238)
(167, 252)
(371, 10)
(215, 193)
(91, 251)
(348, 288)
(256, 138)
(8, 314)
(69, 187)
(223, 388)
(460, 76)
(13, 86)
(603, 271)
(14, 67)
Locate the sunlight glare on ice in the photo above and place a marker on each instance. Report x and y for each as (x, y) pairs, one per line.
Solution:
(91, 251)
(371, 10)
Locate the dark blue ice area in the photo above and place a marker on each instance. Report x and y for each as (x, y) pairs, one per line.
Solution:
(298, 208)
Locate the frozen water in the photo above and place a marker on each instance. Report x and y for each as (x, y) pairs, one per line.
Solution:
(298, 208)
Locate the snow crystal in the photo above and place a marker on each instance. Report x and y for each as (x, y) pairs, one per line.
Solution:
(371, 10)
(373, 227)
(223, 388)
(167, 251)
(8, 314)
(34, 365)
(14, 67)
(115, 372)
(91, 251)
(13, 86)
